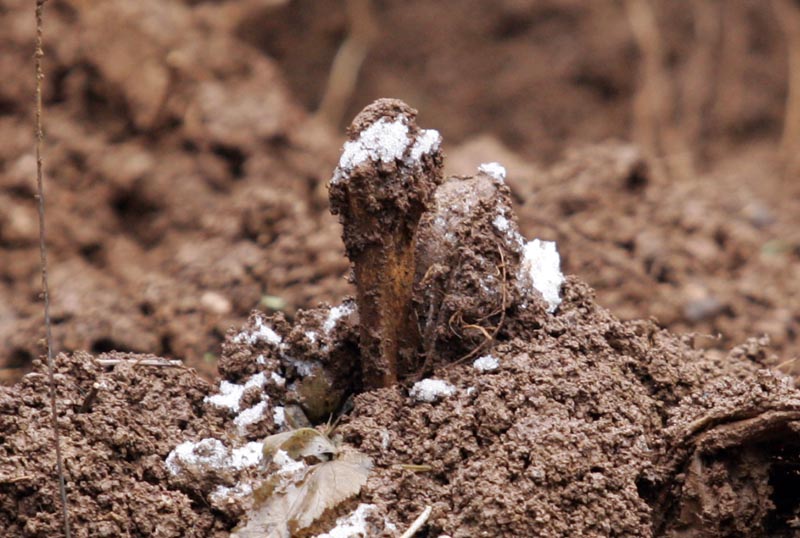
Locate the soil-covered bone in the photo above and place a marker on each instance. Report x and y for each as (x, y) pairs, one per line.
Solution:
(384, 182)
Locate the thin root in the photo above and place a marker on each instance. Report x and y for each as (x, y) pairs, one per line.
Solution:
(490, 338)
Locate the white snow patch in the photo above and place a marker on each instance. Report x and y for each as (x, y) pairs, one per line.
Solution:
(208, 452)
(541, 267)
(279, 415)
(501, 223)
(353, 525)
(312, 336)
(262, 333)
(229, 396)
(304, 368)
(494, 170)
(385, 439)
(249, 416)
(287, 465)
(430, 390)
(225, 493)
(427, 141)
(212, 453)
(278, 379)
(383, 141)
(337, 313)
(246, 456)
(257, 380)
(487, 363)
(261, 360)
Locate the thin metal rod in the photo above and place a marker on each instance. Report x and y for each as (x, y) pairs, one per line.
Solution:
(39, 55)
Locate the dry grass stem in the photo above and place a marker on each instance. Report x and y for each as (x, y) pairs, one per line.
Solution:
(418, 523)
(654, 102)
(39, 56)
(788, 13)
(347, 63)
(141, 362)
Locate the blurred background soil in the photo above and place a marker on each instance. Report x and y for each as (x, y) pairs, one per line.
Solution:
(188, 145)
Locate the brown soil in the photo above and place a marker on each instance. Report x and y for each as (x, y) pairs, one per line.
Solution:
(586, 426)
(181, 198)
(117, 426)
(186, 187)
(173, 210)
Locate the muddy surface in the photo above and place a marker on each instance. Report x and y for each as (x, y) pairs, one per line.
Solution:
(588, 426)
(173, 210)
(560, 420)
(117, 426)
(186, 186)
(184, 196)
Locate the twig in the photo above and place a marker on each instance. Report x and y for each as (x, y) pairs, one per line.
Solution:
(140, 362)
(700, 81)
(15, 479)
(789, 18)
(39, 55)
(348, 60)
(652, 126)
(418, 523)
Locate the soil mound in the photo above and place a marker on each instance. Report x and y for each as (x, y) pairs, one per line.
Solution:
(118, 423)
(527, 413)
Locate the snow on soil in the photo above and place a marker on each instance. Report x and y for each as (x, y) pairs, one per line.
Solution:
(501, 223)
(223, 493)
(279, 415)
(428, 141)
(230, 394)
(249, 416)
(278, 379)
(487, 363)
(337, 313)
(353, 525)
(262, 333)
(385, 141)
(212, 453)
(494, 170)
(541, 268)
(430, 390)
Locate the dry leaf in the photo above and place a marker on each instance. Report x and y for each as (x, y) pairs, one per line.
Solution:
(300, 443)
(328, 485)
(291, 507)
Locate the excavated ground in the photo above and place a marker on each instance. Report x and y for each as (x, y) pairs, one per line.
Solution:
(186, 187)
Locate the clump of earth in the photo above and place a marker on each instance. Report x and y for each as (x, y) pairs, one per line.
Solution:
(524, 408)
